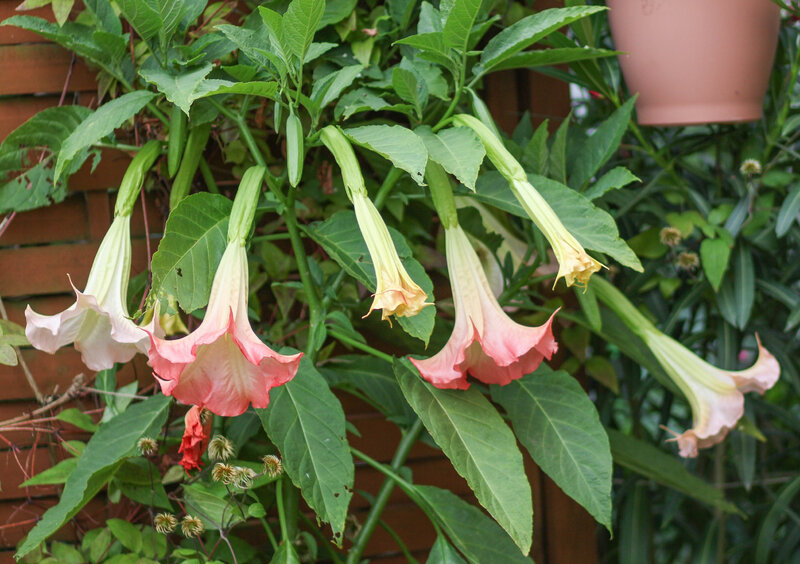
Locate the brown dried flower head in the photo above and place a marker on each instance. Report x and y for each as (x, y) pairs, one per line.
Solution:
(147, 446)
(670, 236)
(750, 167)
(191, 526)
(220, 448)
(223, 473)
(273, 466)
(165, 523)
(688, 261)
(243, 477)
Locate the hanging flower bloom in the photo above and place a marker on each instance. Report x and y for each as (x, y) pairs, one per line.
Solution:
(222, 365)
(395, 292)
(98, 322)
(574, 264)
(195, 437)
(485, 342)
(715, 395)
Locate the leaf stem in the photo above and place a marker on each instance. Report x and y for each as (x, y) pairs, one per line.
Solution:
(360, 346)
(281, 510)
(387, 186)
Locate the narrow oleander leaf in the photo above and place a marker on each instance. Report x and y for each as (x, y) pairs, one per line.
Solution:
(737, 293)
(474, 534)
(480, 445)
(396, 143)
(195, 237)
(558, 424)
(457, 149)
(789, 211)
(306, 422)
(104, 452)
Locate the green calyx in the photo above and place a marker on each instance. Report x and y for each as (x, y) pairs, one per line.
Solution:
(134, 177)
(442, 193)
(619, 304)
(504, 161)
(245, 203)
(333, 138)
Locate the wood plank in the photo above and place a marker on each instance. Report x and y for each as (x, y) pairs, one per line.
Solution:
(108, 173)
(501, 96)
(41, 69)
(67, 221)
(565, 519)
(17, 519)
(16, 467)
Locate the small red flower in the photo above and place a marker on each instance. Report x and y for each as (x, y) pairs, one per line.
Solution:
(195, 437)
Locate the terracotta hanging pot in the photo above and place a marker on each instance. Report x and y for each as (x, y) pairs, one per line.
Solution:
(696, 61)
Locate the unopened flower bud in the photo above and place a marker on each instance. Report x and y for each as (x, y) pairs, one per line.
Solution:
(220, 448)
(750, 167)
(670, 236)
(688, 261)
(222, 473)
(191, 526)
(147, 446)
(165, 523)
(272, 465)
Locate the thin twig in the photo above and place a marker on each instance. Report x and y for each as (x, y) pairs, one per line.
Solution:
(72, 392)
(22, 363)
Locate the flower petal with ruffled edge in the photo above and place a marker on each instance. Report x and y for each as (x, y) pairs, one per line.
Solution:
(715, 395)
(485, 342)
(195, 437)
(98, 322)
(222, 365)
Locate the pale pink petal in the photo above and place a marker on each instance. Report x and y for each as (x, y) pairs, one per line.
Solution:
(761, 376)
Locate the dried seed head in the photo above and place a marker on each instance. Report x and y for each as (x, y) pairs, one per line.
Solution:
(147, 446)
(273, 466)
(223, 473)
(191, 526)
(688, 261)
(165, 523)
(220, 448)
(750, 167)
(243, 477)
(670, 236)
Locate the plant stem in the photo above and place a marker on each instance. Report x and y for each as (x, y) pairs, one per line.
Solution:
(387, 186)
(281, 510)
(208, 177)
(400, 455)
(358, 345)
(270, 535)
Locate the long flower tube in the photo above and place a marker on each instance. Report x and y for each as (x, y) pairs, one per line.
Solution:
(396, 293)
(715, 395)
(98, 322)
(485, 342)
(222, 365)
(574, 264)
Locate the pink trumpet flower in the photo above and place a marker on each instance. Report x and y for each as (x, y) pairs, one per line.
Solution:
(222, 365)
(485, 342)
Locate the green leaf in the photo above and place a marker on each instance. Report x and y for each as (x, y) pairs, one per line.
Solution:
(179, 87)
(479, 444)
(396, 143)
(300, 22)
(263, 89)
(478, 538)
(770, 523)
(12, 334)
(559, 56)
(306, 422)
(528, 31)
(341, 238)
(442, 552)
(617, 177)
(331, 86)
(126, 533)
(788, 212)
(635, 526)
(105, 451)
(7, 355)
(75, 417)
(105, 15)
(432, 48)
(665, 469)
(100, 123)
(459, 23)
(593, 227)
(336, 11)
(211, 504)
(194, 239)
(737, 293)
(558, 424)
(457, 149)
(57, 474)
(410, 88)
(143, 15)
(286, 554)
(600, 146)
(714, 257)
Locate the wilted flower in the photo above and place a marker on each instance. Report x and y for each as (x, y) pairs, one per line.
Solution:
(195, 437)
(750, 167)
(222, 473)
(147, 446)
(220, 448)
(688, 261)
(243, 477)
(191, 526)
(222, 365)
(485, 342)
(273, 466)
(670, 236)
(165, 523)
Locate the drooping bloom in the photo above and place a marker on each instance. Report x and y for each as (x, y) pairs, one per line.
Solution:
(195, 437)
(715, 395)
(98, 322)
(574, 264)
(396, 293)
(222, 365)
(485, 342)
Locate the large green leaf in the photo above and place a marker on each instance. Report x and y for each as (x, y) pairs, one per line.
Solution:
(396, 143)
(211, 503)
(596, 149)
(300, 22)
(180, 87)
(528, 31)
(737, 293)
(106, 449)
(457, 149)
(478, 538)
(306, 422)
(100, 123)
(541, 57)
(480, 445)
(442, 552)
(194, 240)
(559, 425)
(593, 227)
(410, 87)
(654, 464)
(342, 240)
(143, 15)
(459, 23)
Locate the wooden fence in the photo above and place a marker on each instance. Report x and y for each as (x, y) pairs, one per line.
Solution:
(40, 247)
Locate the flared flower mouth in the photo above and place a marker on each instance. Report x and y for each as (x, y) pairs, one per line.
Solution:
(395, 292)
(715, 395)
(485, 342)
(222, 365)
(98, 322)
